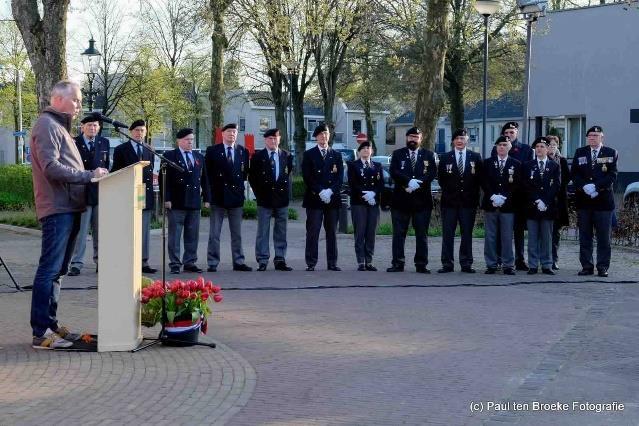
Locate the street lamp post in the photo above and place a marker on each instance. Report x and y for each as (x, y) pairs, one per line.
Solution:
(90, 60)
(486, 8)
(291, 68)
(20, 139)
(532, 10)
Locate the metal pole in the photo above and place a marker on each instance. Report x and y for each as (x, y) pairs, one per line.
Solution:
(290, 111)
(485, 113)
(524, 133)
(20, 140)
(90, 77)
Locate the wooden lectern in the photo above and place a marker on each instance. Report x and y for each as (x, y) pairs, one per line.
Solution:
(122, 199)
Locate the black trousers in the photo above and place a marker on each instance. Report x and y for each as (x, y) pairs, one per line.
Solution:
(365, 218)
(601, 221)
(466, 219)
(314, 220)
(421, 220)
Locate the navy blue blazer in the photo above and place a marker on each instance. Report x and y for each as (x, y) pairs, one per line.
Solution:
(186, 190)
(100, 158)
(270, 193)
(402, 172)
(361, 179)
(226, 181)
(603, 175)
(460, 191)
(541, 186)
(505, 183)
(322, 173)
(519, 151)
(124, 155)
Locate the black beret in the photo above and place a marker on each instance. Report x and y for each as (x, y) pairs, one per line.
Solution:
(510, 125)
(271, 132)
(413, 131)
(540, 139)
(322, 127)
(229, 126)
(137, 123)
(502, 139)
(597, 129)
(363, 145)
(91, 118)
(459, 132)
(183, 133)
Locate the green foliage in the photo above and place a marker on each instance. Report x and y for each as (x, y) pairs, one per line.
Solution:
(433, 231)
(298, 187)
(292, 214)
(25, 218)
(16, 187)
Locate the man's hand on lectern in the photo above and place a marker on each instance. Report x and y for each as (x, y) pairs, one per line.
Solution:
(99, 172)
(207, 205)
(167, 205)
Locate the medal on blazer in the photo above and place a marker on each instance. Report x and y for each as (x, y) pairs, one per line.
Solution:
(604, 168)
(449, 168)
(472, 167)
(334, 168)
(511, 172)
(402, 164)
(425, 165)
(378, 176)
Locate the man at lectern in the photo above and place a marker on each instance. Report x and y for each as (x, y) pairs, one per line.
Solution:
(130, 153)
(59, 185)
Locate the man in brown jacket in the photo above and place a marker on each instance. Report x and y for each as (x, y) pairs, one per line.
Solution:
(59, 181)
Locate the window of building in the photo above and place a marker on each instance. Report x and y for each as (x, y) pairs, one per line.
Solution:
(264, 124)
(441, 141)
(373, 131)
(311, 124)
(576, 134)
(242, 124)
(357, 126)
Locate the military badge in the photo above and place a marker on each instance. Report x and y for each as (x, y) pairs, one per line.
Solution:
(403, 164)
(604, 168)
(511, 172)
(472, 167)
(582, 161)
(334, 168)
(449, 168)
(425, 164)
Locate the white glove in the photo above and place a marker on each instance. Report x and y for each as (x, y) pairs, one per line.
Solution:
(494, 198)
(325, 195)
(409, 189)
(368, 194)
(413, 184)
(541, 206)
(590, 188)
(371, 201)
(593, 194)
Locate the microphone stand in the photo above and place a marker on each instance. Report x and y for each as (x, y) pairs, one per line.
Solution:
(162, 336)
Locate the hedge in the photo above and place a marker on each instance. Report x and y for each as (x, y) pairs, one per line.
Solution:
(16, 187)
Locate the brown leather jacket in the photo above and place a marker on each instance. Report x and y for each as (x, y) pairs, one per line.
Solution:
(59, 177)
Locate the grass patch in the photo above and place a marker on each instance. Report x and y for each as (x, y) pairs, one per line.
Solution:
(25, 218)
(250, 211)
(433, 231)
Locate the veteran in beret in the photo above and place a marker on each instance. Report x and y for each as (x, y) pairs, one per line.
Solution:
(541, 180)
(270, 177)
(323, 173)
(523, 153)
(594, 173)
(130, 153)
(459, 173)
(413, 168)
(501, 178)
(365, 182)
(95, 152)
(227, 167)
(186, 192)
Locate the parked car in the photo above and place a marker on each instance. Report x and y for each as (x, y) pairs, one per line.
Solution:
(347, 154)
(631, 196)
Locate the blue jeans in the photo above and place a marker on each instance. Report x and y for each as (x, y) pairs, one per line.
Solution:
(59, 232)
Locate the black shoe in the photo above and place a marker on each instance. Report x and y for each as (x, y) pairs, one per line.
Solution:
(370, 267)
(602, 272)
(490, 271)
(395, 268)
(361, 267)
(175, 270)
(262, 267)
(532, 271)
(211, 269)
(310, 268)
(73, 272)
(422, 269)
(468, 269)
(148, 270)
(242, 267)
(509, 271)
(555, 266)
(334, 268)
(192, 268)
(445, 270)
(585, 271)
(521, 266)
(547, 271)
(282, 266)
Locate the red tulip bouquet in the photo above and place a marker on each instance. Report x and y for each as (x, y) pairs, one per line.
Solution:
(187, 302)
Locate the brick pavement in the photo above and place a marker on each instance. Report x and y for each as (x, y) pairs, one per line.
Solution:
(389, 355)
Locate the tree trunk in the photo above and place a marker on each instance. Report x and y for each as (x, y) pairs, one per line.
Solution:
(430, 98)
(455, 93)
(219, 44)
(300, 131)
(45, 40)
(369, 122)
(280, 102)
